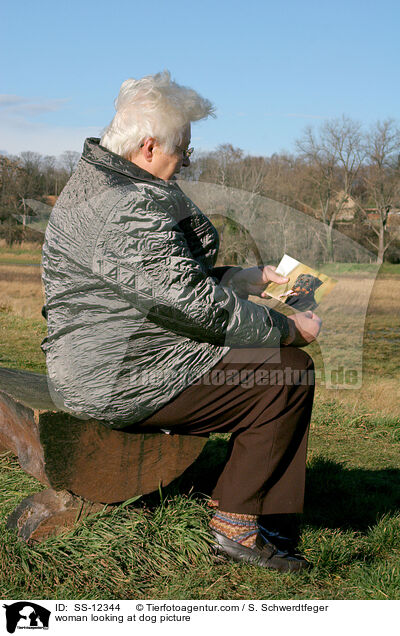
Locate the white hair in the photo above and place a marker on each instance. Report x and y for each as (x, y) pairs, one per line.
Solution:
(153, 106)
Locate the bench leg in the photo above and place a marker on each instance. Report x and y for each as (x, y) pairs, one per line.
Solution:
(48, 513)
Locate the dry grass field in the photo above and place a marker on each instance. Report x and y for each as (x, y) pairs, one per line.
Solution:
(27, 252)
(380, 391)
(21, 290)
(21, 296)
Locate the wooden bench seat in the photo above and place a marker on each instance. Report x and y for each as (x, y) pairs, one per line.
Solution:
(82, 462)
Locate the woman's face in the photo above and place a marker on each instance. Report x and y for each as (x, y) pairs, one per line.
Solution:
(167, 165)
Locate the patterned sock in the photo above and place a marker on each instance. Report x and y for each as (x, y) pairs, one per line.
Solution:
(237, 527)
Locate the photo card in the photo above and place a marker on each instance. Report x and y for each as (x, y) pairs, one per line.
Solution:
(306, 286)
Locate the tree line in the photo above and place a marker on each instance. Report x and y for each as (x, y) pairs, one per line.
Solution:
(27, 178)
(346, 177)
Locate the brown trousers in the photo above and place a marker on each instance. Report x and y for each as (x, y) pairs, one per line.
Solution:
(264, 398)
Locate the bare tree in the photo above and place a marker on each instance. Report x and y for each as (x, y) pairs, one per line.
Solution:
(235, 202)
(32, 183)
(69, 160)
(381, 178)
(334, 155)
(31, 162)
(49, 170)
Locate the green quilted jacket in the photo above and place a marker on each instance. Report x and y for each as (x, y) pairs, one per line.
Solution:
(136, 310)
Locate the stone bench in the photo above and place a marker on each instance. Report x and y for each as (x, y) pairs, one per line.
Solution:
(83, 464)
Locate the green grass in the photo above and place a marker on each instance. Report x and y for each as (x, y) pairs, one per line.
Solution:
(20, 255)
(158, 546)
(20, 340)
(386, 269)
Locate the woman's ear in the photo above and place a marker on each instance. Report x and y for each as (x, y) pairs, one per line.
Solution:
(147, 149)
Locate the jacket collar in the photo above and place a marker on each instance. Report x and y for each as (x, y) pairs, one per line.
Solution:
(96, 154)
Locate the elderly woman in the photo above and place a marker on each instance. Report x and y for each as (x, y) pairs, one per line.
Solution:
(142, 326)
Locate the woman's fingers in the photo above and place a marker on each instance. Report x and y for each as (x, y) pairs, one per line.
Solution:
(270, 276)
(308, 326)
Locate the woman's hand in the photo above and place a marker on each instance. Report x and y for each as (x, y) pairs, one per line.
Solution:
(253, 280)
(304, 327)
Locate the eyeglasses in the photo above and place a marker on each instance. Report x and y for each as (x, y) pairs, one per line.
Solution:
(186, 152)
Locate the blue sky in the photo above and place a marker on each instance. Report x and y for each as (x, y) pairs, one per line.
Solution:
(270, 68)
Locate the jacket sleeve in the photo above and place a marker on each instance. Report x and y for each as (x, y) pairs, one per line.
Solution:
(224, 274)
(144, 256)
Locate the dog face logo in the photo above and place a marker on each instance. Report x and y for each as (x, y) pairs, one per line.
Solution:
(26, 615)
